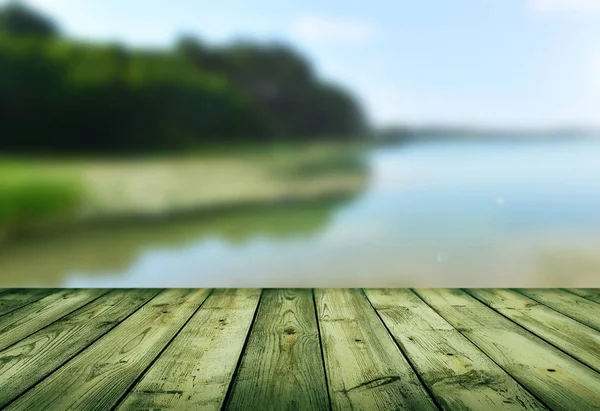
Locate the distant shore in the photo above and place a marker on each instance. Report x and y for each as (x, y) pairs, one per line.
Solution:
(115, 191)
(415, 134)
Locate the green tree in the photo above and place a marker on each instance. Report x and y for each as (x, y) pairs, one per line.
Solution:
(17, 19)
(283, 83)
(59, 95)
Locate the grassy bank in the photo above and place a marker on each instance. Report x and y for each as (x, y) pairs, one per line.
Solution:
(38, 191)
(30, 192)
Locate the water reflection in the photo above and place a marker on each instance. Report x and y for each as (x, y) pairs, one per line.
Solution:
(434, 215)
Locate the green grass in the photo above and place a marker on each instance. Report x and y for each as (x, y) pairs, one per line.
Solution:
(25, 200)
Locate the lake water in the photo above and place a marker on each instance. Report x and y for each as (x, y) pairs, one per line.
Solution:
(435, 214)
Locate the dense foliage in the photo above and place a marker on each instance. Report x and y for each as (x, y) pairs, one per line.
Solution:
(60, 95)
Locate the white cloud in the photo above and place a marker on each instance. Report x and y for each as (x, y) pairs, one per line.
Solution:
(582, 6)
(315, 28)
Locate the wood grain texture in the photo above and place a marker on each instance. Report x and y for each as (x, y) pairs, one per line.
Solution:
(459, 375)
(33, 358)
(576, 339)
(592, 294)
(179, 349)
(98, 377)
(195, 371)
(365, 369)
(576, 307)
(282, 368)
(20, 323)
(555, 378)
(12, 299)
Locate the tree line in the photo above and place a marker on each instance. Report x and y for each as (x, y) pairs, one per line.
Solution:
(60, 95)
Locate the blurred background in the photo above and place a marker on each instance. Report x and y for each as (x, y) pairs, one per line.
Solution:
(288, 144)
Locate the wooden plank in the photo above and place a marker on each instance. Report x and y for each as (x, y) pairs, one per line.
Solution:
(195, 371)
(365, 368)
(576, 339)
(458, 374)
(26, 320)
(98, 377)
(33, 358)
(573, 306)
(557, 379)
(592, 294)
(282, 367)
(12, 299)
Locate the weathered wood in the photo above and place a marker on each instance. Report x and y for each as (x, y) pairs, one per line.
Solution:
(282, 367)
(195, 371)
(12, 299)
(592, 294)
(82, 349)
(98, 377)
(31, 359)
(554, 377)
(576, 307)
(578, 340)
(458, 374)
(20, 323)
(365, 369)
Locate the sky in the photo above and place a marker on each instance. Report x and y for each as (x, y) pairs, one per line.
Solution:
(508, 63)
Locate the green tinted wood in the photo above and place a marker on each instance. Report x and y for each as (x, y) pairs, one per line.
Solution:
(98, 377)
(12, 299)
(31, 359)
(282, 367)
(578, 308)
(196, 369)
(26, 320)
(459, 375)
(174, 352)
(576, 339)
(365, 369)
(592, 294)
(554, 377)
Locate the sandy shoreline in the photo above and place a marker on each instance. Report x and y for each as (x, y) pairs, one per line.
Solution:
(147, 190)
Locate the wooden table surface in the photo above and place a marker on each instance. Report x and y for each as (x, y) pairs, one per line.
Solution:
(299, 349)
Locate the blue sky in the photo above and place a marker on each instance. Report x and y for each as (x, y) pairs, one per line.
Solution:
(482, 62)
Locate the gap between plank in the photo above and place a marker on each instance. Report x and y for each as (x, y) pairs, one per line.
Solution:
(483, 352)
(531, 332)
(554, 309)
(321, 348)
(586, 297)
(145, 371)
(80, 351)
(227, 398)
(58, 319)
(410, 363)
(54, 290)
